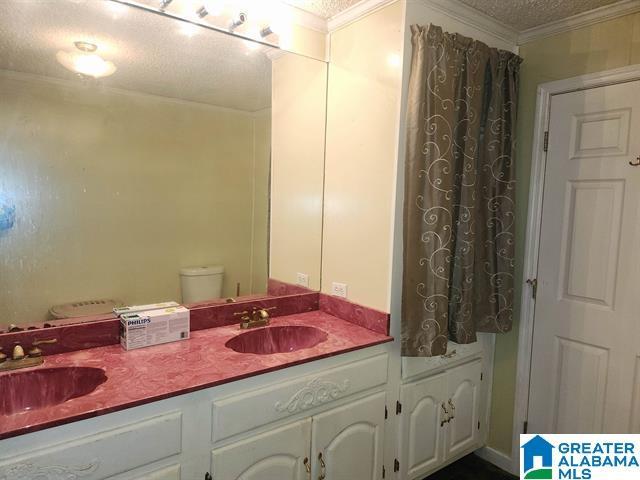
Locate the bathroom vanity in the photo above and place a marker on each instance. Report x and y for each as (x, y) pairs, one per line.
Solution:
(315, 417)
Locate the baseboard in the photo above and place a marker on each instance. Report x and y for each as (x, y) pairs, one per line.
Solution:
(497, 458)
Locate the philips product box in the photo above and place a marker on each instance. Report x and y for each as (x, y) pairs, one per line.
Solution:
(153, 327)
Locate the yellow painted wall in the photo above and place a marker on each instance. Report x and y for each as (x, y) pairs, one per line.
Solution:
(305, 41)
(115, 191)
(362, 134)
(603, 46)
(299, 93)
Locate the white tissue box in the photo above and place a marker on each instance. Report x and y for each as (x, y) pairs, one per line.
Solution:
(153, 327)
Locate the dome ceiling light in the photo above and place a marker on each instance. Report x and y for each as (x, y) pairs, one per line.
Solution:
(85, 61)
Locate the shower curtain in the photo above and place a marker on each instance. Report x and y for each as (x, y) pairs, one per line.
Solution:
(459, 192)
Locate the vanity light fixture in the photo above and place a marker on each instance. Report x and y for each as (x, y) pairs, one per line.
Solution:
(211, 7)
(239, 20)
(266, 31)
(164, 4)
(85, 61)
(279, 22)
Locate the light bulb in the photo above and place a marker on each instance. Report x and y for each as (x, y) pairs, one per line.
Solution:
(90, 64)
(279, 22)
(213, 7)
(189, 29)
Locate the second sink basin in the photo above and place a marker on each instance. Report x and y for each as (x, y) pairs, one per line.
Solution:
(277, 339)
(45, 387)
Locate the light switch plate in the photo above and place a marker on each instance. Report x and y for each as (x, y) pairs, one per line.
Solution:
(339, 289)
(302, 279)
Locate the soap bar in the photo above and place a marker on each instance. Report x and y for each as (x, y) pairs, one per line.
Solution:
(141, 308)
(153, 327)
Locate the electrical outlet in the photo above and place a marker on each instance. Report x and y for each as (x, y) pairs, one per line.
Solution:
(339, 289)
(302, 279)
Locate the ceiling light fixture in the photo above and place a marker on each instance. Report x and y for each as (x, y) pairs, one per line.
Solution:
(85, 61)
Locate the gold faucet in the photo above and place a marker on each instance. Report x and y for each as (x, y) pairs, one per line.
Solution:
(258, 317)
(21, 360)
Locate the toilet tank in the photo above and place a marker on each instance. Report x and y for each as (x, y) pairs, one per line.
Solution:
(199, 284)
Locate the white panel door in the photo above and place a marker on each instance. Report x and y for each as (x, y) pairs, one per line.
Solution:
(585, 342)
(281, 454)
(347, 442)
(463, 406)
(423, 427)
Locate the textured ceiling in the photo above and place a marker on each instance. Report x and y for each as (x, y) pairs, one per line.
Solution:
(323, 8)
(523, 14)
(152, 53)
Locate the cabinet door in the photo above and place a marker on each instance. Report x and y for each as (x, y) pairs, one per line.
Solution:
(422, 429)
(463, 403)
(347, 442)
(276, 455)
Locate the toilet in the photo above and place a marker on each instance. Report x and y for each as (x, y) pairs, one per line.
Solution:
(199, 284)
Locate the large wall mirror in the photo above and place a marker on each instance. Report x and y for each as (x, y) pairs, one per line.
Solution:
(147, 159)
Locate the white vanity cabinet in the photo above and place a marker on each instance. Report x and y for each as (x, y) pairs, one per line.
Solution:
(344, 443)
(462, 430)
(444, 410)
(279, 454)
(325, 417)
(347, 442)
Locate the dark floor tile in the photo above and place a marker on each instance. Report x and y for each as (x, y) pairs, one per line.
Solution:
(471, 467)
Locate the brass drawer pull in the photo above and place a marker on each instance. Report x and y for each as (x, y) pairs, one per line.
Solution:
(323, 467)
(445, 419)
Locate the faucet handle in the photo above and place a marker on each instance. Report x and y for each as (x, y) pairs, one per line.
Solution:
(18, 352)
(37, 352)
(262, 312)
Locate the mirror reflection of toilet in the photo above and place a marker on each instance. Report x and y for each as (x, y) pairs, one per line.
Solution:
(199, 284)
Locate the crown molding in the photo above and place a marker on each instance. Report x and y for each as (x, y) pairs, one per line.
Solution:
(591, 17)
(307, 19)
(474, 18)
(355, 12)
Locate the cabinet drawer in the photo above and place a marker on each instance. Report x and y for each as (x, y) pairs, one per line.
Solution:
(103, 454)
(167, 473)
(456, 353)
(247, 411)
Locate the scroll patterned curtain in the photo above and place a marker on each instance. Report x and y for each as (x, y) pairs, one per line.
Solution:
(459, 192)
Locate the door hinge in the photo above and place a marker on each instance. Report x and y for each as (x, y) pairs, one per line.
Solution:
(398, 408)
(525, 427)
(396, 465)
(533, 283)
(545, 144)
(481, 376)
(478, 425)
(384, 472)
(386, 412)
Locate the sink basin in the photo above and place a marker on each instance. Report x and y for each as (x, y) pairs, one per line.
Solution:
(45, 387)
(277, 339)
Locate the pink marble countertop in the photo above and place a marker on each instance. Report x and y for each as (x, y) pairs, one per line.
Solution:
(149, 374)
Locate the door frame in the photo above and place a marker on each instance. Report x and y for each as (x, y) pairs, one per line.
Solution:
(545, 93)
